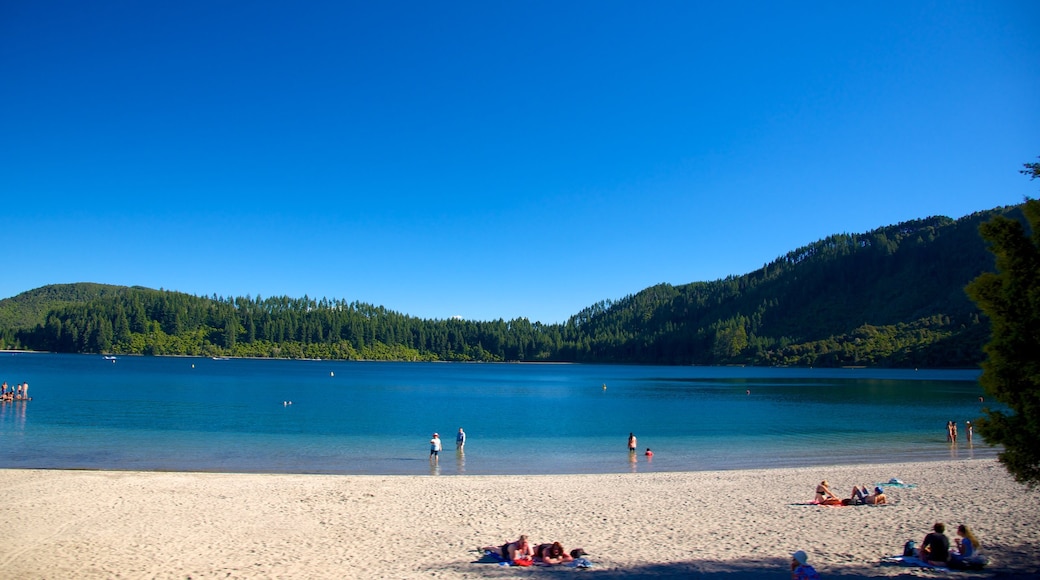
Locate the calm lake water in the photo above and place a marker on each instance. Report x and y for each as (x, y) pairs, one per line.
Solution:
(199, 414)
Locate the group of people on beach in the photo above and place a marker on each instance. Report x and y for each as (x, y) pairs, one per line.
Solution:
(861, 495)
(19, 393)
(523, 553)
(935, 548)
(951, 431)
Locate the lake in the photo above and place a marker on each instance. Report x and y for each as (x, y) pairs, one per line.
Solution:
(345, 417)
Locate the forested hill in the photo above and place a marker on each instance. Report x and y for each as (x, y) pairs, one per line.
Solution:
(889, 297)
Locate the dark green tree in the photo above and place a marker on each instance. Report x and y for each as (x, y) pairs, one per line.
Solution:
(1010, 297)
(1031, 169)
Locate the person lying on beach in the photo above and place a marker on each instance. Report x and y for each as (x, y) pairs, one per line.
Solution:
(876, 498)
(552, 553)
(824, 495)
(512, 551)
(859, 495)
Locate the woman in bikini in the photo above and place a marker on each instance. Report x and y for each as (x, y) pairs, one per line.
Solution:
(824, 493)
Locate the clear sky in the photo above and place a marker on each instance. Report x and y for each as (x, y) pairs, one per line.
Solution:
(492, 159)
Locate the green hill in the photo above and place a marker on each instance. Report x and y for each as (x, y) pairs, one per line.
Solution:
(890, 296)
(893, 296)
(29, 309)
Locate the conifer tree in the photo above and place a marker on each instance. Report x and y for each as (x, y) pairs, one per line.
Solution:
(1010, 297)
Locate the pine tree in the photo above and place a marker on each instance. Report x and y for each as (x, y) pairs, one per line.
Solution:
(1010, 297)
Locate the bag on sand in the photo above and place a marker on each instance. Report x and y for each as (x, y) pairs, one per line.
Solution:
(910, 549)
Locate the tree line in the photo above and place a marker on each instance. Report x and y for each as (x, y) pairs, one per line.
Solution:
(893, 296)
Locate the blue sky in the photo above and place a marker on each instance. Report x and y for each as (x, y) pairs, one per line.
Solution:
(492, 159)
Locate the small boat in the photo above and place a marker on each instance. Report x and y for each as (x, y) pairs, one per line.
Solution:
(111, 358)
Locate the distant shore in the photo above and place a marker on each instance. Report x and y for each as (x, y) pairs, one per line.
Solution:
(730, 525)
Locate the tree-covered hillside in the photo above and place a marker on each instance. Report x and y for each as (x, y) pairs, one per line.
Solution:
(30, 309)
(889, 297)
(892, 296)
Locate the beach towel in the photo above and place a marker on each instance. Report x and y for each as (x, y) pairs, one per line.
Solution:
(487, 558)
(490, 557)
(976, 562)
(910, 561)
(579, 563)
(814, 502)
(895, 482)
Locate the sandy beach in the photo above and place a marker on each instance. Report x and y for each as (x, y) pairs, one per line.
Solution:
(716, 525)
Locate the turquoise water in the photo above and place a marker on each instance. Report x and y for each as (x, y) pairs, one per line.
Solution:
(199, 414)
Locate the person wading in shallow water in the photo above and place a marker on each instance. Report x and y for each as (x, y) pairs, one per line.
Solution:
(435, 448)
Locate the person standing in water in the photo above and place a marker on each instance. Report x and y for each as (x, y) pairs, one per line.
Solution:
(435, 448)
(631, 443)
(460, 439)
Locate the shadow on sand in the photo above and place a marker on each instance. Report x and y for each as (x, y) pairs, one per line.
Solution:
(752, 569)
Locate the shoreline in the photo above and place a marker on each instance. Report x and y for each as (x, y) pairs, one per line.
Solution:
(503, 362)
(448, 466)
(721, 525)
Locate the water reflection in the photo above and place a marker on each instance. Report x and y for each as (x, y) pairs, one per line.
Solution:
(460, 461)
(13, 412)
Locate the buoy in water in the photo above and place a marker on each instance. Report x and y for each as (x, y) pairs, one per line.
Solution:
(332, 374)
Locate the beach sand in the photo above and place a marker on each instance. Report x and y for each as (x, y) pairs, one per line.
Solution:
(721, 525)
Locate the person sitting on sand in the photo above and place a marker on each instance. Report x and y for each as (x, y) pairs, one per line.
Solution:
(824, 493)
(935, 549)
(967, 544)
(552, 553)
(800, 568)
(512, 551)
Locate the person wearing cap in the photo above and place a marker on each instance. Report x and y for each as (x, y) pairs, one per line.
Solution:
(435, 447)
(878, 497)
(800, 568)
